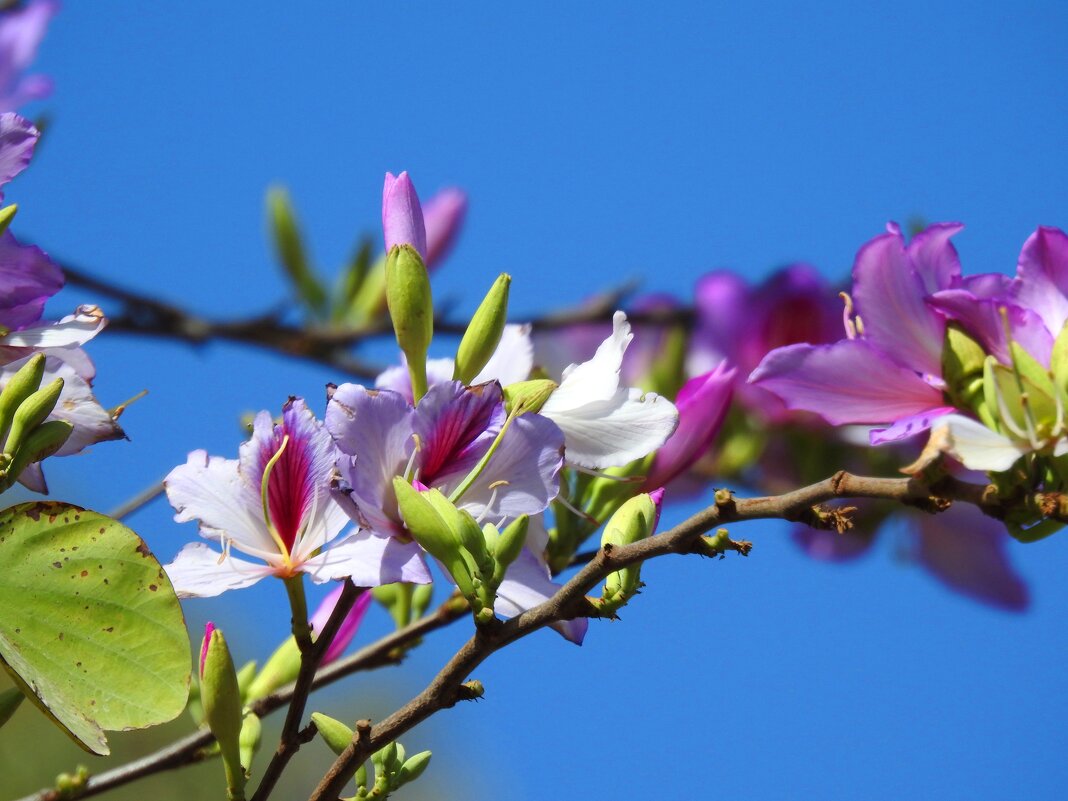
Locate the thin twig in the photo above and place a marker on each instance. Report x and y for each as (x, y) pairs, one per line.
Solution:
(143, 498)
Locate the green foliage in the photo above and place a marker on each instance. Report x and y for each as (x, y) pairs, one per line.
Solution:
(92, 630)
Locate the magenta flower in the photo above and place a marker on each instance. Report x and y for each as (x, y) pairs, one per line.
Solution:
(887, 371)
(21, 32)
(402, 216)
(349, 626)
(381, 435)
(702, 403)
(274, 503)
(209, 629)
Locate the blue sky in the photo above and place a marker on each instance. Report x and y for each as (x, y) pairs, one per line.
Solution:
(598, 142)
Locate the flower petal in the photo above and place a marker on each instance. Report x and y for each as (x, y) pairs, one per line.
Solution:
(199, 572)
(27, 278)
(18, 138)
(78, 406)
(910, 426)
(527, 584)
(443, 216)
(71, 331)
(1043, 276)
(370, 559)
(513, 359)
(850, 381)
(402, 217)
(596, 379)
(889, 295)
(976, 446)
(982, 318)
(349, 626)
(934, 257)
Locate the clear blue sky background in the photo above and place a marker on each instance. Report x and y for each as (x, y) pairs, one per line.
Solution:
(598, 141)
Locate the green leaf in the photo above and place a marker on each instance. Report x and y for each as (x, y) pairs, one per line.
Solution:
(291, 252)
(91, 628)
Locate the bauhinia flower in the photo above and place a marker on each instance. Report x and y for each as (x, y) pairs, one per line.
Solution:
(887, 371)
(21, 32)
(274, 503)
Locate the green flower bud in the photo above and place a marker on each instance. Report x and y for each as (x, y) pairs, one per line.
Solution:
(280, 669)
(287, 241)
(42, 442)
(422, 594)
(221, 698)
(411, 308)
(7, 214)
(433, 533)
(9, 702)
(24, 383)
(413, 768)
(528, 396)
(509, 543)
(31, 413)
(245, 676)
(397, 599)
(483, 333)
(249, 741)
(360, 777)
(633, 521)
(334, 733)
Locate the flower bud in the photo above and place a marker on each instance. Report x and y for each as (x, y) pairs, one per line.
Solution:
(433, 533)
(528, 396)
(287, 241)
(483, 333)
(42, 442)
(633, 521)
(279, 670)
(221, 699)
(509, 544)
(249, 741)
(413, 768)
(411, 309)
(443, 215)
(23, 384)
(334, 733)
(402, 216)
(421, 597)
(31, 413)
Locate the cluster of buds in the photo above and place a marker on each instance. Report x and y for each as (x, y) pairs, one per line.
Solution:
(26, 433)
(391, 767)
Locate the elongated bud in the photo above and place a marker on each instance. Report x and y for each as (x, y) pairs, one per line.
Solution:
(633, 521)
(245, 676)
(31, 413)
(221, 699)
(288, 242)
(443, 216)
(249, 742)
(360, 777)
(24, 383)
(9, 702)
(411, 308)
(397, 599)
(509, 544)
(528, 396)
(334, 733)
(279, 670)
(7, 214)
(422, 594)
(42, 442)
(413, 768)
(402, 216)
(483, 333)
(433, 533)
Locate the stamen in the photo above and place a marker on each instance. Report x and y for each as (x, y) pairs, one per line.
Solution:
(1029, 416)
(560, 499)
(408, 469)
(1006, 417)
(282, 549)
(476, 471)
(496, 485)
(1058, 422)
(847, 315)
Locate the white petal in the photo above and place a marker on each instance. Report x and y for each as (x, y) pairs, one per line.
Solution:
(598, 378)
(613, 432)
(370, 559)
(513, 359)
(978, 447)
(199, 572)
(212, 490)
(72, 330)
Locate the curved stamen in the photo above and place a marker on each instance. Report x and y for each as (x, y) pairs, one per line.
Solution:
(282, 549)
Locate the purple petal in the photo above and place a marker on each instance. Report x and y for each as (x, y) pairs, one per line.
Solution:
(21, 32)
(702, 403)
(443, 217)
(850, 381)
(909, 426)
(1043, 276)
(27, 279)
(17, 140)
(982, 318)
(989, 285)
(889, 295)
(721, 301)
(376, 428)
(209, 629)
(370, 559)
(934, 257)
(402, 217)
(349, 626)
(455, 426)
(968, 551)
(527, 584)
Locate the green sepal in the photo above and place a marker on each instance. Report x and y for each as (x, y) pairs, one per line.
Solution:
(334, 733)
(528, 396)
(434, 534)
(962, 364)
(31, 413)
(289, 245)
(483, 333)
(633, 521)
(411, 308)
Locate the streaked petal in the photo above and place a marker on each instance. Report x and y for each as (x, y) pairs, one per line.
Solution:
(199, 572)
(847, 382)
(370, 559)
(455, 425)
(889, 296)
(79, 407)
(906, 427)
(527, 584)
